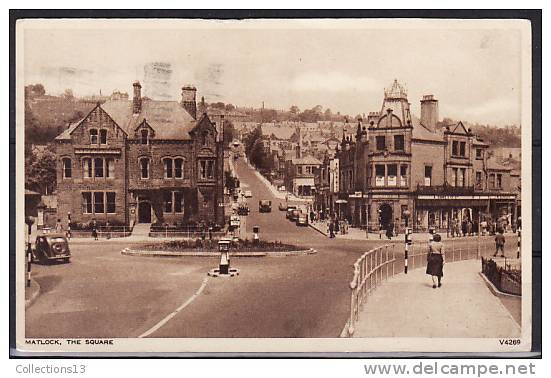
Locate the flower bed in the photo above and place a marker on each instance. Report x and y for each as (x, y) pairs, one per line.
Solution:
(199, 245)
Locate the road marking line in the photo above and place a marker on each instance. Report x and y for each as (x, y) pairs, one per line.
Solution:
(175, 312)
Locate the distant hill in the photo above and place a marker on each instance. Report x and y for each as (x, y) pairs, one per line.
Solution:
(508, 136)
(47, 116)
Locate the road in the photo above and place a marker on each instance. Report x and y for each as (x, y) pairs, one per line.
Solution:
(102, 293)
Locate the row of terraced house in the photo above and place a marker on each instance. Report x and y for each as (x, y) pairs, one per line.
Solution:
(399, 169)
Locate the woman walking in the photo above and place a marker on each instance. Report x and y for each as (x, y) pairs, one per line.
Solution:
(435, 260)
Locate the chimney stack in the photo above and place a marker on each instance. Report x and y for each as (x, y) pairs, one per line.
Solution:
(188, 100)
(137, 100)
(429, 112)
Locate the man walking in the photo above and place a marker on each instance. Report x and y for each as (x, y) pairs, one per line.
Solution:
(500, 243)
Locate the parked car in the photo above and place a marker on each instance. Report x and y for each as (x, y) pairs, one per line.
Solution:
(235, 222)
(243, 209)
(248, 194)
(282, 207)
(265, 206)
(51, 247)
(302, 219)
(290, 211)
(294, 215)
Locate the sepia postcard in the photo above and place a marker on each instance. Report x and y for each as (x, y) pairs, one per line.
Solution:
(273, 185)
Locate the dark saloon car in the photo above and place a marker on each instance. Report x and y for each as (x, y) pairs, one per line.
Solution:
(265, 206)
(51, 247)
(243, 210)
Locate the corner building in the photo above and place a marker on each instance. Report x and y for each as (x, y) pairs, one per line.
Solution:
(399, 167)
(141, 161)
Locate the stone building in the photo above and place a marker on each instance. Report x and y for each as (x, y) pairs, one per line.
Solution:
(399, 167)
(141, 160)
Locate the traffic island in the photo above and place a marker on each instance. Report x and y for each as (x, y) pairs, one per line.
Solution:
(209, 248)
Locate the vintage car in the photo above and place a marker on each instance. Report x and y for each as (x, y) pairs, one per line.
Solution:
(294, 215)
(51, 247)
(264, 206)
(243, 209)
(282, 207)
(247, 194)
(290, 211)
(302, 219)
(235, 222)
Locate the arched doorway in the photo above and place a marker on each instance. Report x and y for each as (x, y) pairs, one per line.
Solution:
(144, 212)
(385, 215)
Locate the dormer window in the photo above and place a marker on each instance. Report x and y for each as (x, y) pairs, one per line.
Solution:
(144, 136)
(103, 136)
(204, 138)
(93, 136)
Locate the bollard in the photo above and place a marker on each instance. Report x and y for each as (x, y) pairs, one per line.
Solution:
(518, 243)
(256, 238)
(407, 242)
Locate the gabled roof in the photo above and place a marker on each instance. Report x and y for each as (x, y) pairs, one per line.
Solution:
(458, 128)
(306, 160)
(279, 132)
(168, 118)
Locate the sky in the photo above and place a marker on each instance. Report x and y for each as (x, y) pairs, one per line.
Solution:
(474, 72)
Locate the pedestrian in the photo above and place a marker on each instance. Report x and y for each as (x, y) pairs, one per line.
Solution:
(94, 227)
(464, 227)
(312, 216)
(389, 231)
(331, 229)
(436, 260)
(59, 227)
(336, 225)
(500, 243)
(483, 226)
(108, 228)
(469, 227)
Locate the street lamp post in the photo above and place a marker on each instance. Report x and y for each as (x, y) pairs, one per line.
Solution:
(29, 221)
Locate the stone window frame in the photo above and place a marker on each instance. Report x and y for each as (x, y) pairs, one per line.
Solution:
(206, 170)
(173, 170)
(173, 202)
(90, 173)
(403, 142)
(94, 137)
(140, 166)
(92, 204)
(144, 136)
(103, 134)
(65, 168)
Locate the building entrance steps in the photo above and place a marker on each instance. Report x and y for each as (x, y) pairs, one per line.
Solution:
(141, 230)
(407, 306)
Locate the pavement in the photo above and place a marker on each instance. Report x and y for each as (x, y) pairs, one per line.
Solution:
(359, 234)
(407, 306)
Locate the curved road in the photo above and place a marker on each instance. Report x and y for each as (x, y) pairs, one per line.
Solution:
(102, 293)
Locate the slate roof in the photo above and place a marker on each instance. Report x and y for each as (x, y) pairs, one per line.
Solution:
(168, 118)
(306, 160)
(422, 133)
(493, 164)
(283, 133)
